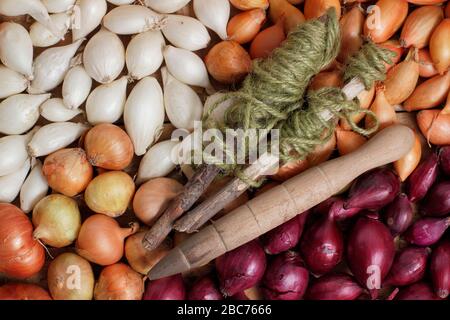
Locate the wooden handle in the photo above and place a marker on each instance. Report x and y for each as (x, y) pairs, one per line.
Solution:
(284, 202)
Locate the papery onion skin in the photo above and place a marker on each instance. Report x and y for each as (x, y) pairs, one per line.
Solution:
(70, 277)
(101, 239)
(153, 197)
(204, 289)
(352, 24)
(68, 171)
(250, 4)
(434, 126)
(426, 65)
(109, 147)
(288, 15)
(427, 231)
(417, 291)
(241, 268)
(348, 141)
(266, 41)
(57, 220)
(140, 259)
(253, 293)
(244, 26)
(23, 291)
(110, 193)
(290, 169)
(334, 287)
(401, 81)
(337, 211)
(440, 269)
(170, 288)
(21, 256)
(409, 266)
(406, 165)
(316, 8)
(423, 177)
(119, 282)
(429, 94)
(283, 237)
(399, 214)
(437, 201)
(440, 46)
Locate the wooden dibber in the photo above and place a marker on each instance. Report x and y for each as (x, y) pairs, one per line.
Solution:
(284, 202)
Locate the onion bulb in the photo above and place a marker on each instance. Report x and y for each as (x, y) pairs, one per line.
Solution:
(434, 126)
(55, 110)
(13, 152)
(101, 239)
(68, 171)
(281, 11)
(352, 24)
(70, 277)
(110, 193)
(267, 40)
(33, 189)
(429, 94)
(153, 197)
(250, 4)
(316, 8)
(406, 165)
(57, 220)
(109, 147)
(23, 291)
(348, 141)
(76, 87)
(426, 65)
(11, 82)
(139, 258)
(91, 14)
(43, 37)
(228, 62)
(57, 6)
(244, 26)
(131, 19)
(214, 14)
(17, 241)
(166, 6)
(10, 184)
(186, 32)
(440, 46)
(119, 282)
(383, 110)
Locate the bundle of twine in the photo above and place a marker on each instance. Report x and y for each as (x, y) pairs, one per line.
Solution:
(274, 94)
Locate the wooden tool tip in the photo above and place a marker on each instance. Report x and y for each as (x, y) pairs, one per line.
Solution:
(173, 263)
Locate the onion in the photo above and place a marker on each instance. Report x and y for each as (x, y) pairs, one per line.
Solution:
(401, 81)
(283, 12)
(427, 231)
(291, 169)
(352, 24)
(437, 201)
(399, 214)
(139, 258)
(429, 94)
(204, 289)
(316, 8)
(57, 220)
(110, 193)
(186, 32)
(440, 46)
(348, 141)
(322, 246)
(334, 287)
(444, 160)
(337, 211)
(440, 269)
(406, 165)
(23, 291)
(419, 26)
(244, 26)
(167, 6)
(385, 19)
(426, 65)
(396, 48)
(365, 101)
(109, 147)
(373, 190)
(153, 197)
(417, 291)
(370, 252)
(267, 40)
(17, 241)
(214, 14)
(435, 126)
(409, 267)
(11, 82)
(70, 277)
(131, 19)
(241, 268)
(283, 237)
(91, 14)
(34, 188)
(285, 278)
(253, 293)
(423, 178)
(250, 4)
(119, 282)
(326, 79)
(170, 288)
(54, 110)
(101, 239)
(68, 171)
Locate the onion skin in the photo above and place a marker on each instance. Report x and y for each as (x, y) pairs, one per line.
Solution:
(444, 160)
(406, 165)
(57, 220)
(284, 12)
(108, 247)
(266, 41)
(109, 147)
(370, 252)
(365, 101)
(435, 126)
(70, 277)
(327, 79)
(21, 256)
(241, 268)
(383, 110)
(373, 190)
(396, 48)
(352, 24)
(228, 62)
(409, 266)
(140, 259)
(348, 141)
(440, 269)
(429, 94)
(337, 211)
(334, 287)
(440, 46)
(392, 13)
(322, 246)
(291, 169)
(283, 237)
(250, 4)
(153, 197)
(423, 177)
(285, 278)
(447, 10)
(110, 193)
(426, 65)
(419, 26)
(170, 288)
(119, 282)
(399, 214)
(23, 291)
(427, 231)
(244, 26)
(204, 289)
(437, 201)
(68, 171)
(253, 293)
(417, 291)
(401, 81)
(316, 8)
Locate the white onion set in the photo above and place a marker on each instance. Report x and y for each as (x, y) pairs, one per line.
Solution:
(186, 32)
(51, 66)
(132, 19)
(106, 103)
(11, 82)
(19, 113)
(104, 56)
(10, 184)
(144, 114)
(54, 136)
(76, 87)
(58, 6)
(54, 110)
(166, 6)
(33, 189)
(41, 36)
(144, 54)
(214, 14)
(121, 2)
(13, 152)
(90, 13)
